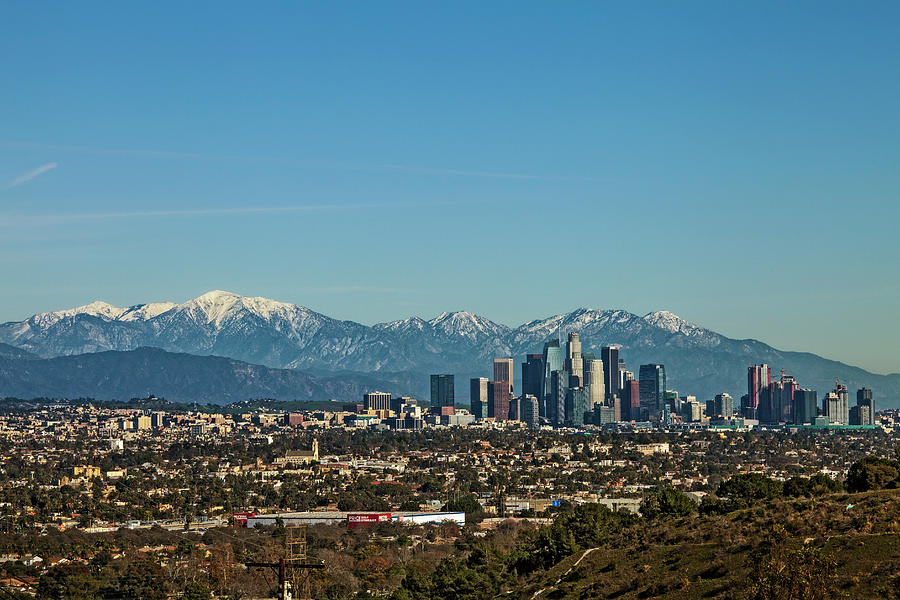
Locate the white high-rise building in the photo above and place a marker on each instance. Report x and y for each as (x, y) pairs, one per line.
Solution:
(593, 380)
(574, 362)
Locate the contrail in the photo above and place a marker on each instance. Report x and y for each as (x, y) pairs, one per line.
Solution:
(311, 164)
(57, 219)
(26, 177)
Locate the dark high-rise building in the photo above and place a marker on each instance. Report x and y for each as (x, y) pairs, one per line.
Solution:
(652, 384)
(515, 412)
(498, 400)
(805, 404)
(556, 403)
(865, 412)
(503, 371)
(553, 361)
(723, 406)
(671, 403)
(776, 402)
(747, 410)
(377, 400)
(631, 401)
(787, 387)
(478, 397)
(532, 374)
(528, 406)
(758, 378)
(610, 357)
(604, 414)
(442, 394)
(576, 405)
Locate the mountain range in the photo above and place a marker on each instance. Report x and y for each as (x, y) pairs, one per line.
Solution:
(277, 336)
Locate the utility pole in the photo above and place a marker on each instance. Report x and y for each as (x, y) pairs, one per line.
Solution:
(294, 563)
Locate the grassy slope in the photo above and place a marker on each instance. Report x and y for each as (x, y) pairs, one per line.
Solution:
(715, 557)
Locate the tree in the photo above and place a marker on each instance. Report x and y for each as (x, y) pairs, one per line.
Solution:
(139, 580)
(68, 582)
(668, 502)
(468, 504)
(873, 473)
(196, 591)
(747, 488)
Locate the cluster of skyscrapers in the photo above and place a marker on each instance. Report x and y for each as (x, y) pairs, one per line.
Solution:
(784, 401)
(562, 386)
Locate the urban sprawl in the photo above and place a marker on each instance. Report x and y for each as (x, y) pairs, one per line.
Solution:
(146, 477)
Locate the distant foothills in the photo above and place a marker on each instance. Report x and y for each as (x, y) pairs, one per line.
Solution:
(222, 347)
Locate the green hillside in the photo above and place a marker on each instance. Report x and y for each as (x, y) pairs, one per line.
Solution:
(830, 545)
(853, 553)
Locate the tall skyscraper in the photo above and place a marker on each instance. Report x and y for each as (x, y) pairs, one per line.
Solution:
(777, 401)
(610, 357)
(515, 411)
(532, 374)
(442, 392)
(805, 403)
(528, 405)
(498, 400)
(690, 409)
(831, 408)
(478, 397)
(670, 402)
(605, 414)
(724, 406)
(844, 405)
(593, 381)
(866, 407)
(377, 401)
(631, 401)
(576, 405)
(553, 361)
(503, 371)
(837, 405)
(556, 404)
(574, 364)
(652, 382)
(758, 378)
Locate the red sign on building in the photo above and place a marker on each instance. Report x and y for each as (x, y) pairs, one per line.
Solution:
(360, 519)
(240, 519)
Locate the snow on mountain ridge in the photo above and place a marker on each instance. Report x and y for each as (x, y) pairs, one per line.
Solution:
(669, 321)
(142, 312)
(466, 324)
(96, 308)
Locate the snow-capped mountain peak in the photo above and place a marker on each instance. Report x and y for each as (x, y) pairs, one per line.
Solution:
(94, 309)
(672, 323)
(99, 309)
(142, 312)
(211, 307)
(465, 324)
(217, 306)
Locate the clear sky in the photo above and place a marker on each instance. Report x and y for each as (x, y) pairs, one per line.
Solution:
(736, 163)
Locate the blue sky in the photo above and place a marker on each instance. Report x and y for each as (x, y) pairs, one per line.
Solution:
(734, 163)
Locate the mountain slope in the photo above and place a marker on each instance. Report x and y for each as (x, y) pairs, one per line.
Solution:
(114, 375)
(281, 335)
(7, 351)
